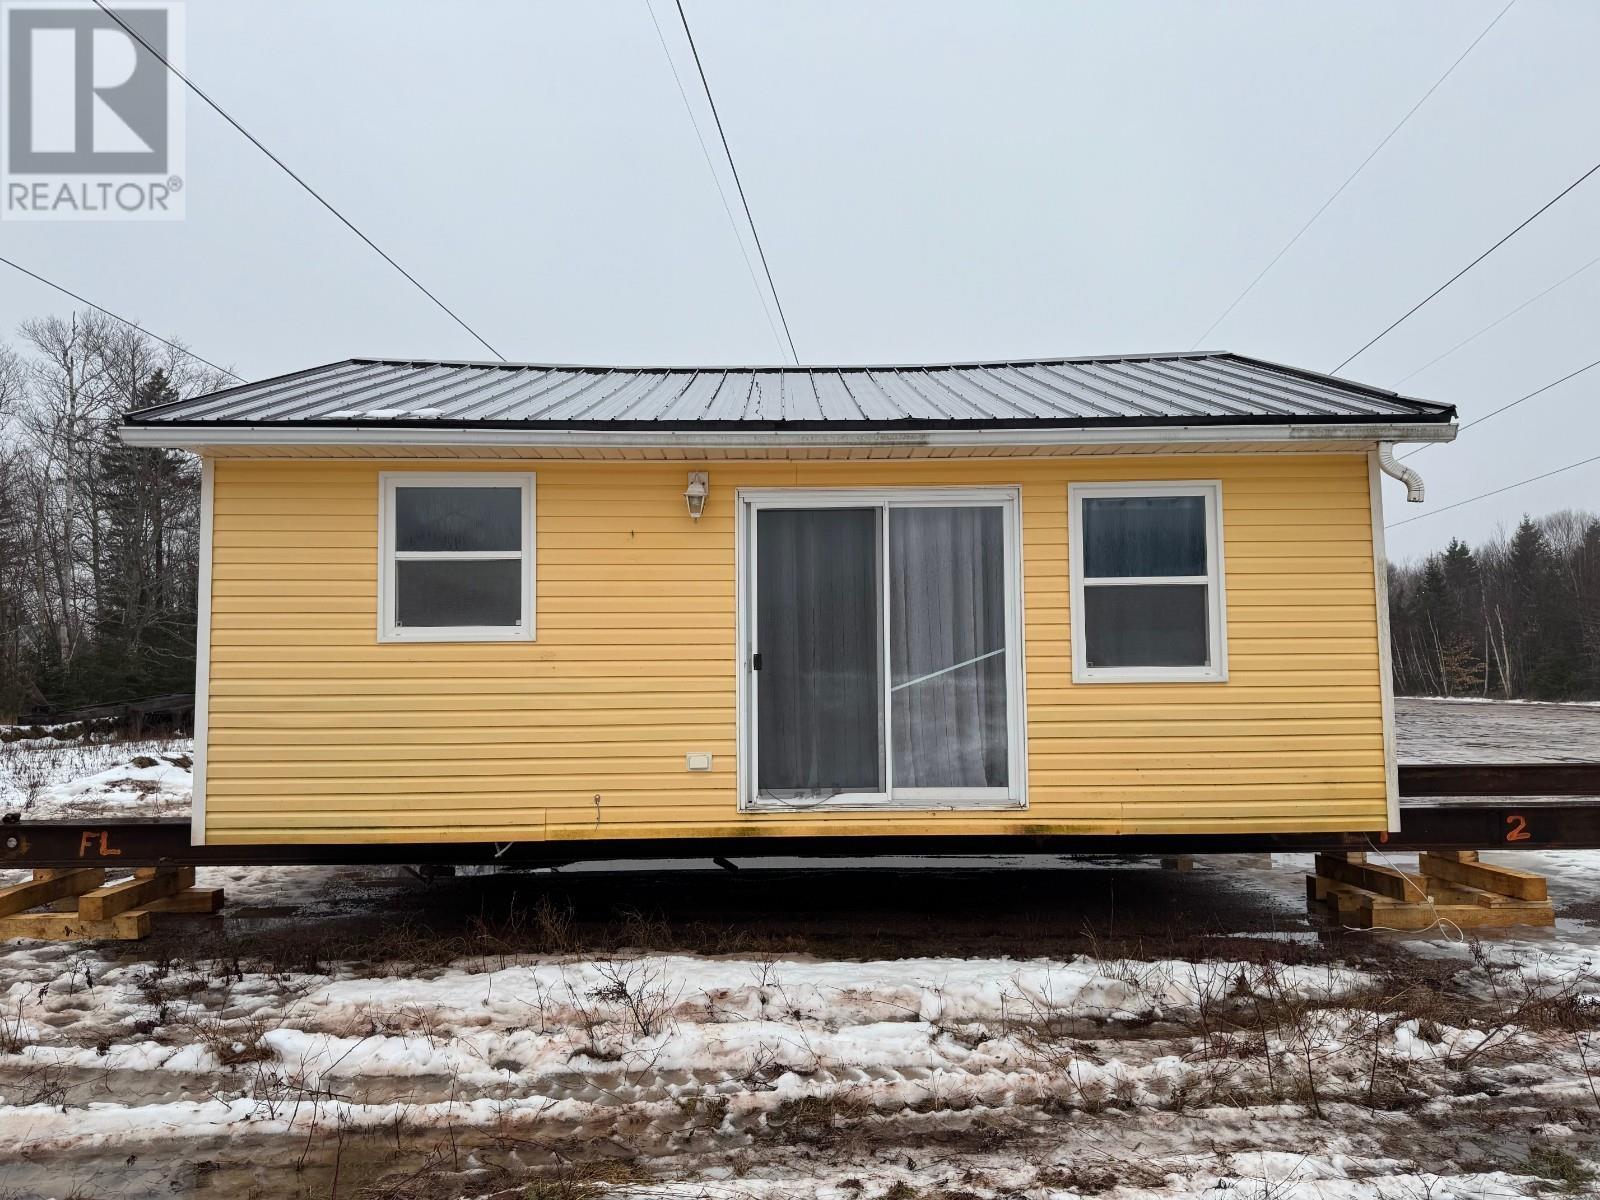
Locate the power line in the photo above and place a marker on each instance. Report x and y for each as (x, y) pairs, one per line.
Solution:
(130, 324)
(1496, 412)
(1412, 310)
(1500, 320)
(737, 182)
(1497, 491)
(1340, 190)
(733, 222)
(284, 167)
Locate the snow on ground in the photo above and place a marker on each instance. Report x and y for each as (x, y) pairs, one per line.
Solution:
(1291, 1064)
(785, 1077)
(1496, 731)
(43, 779)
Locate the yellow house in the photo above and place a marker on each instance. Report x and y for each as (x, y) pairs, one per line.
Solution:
(470, 602)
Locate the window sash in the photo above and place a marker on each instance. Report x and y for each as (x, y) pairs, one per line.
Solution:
(389, 629)
(1007, 500)
(468, 555)
(1215, 670)
(1142, 580)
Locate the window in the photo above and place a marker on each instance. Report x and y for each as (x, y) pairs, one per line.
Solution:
(456, 557)
(881, 649)
(1147, 601)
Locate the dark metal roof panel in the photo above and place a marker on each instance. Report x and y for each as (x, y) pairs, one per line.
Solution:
(1178, 389)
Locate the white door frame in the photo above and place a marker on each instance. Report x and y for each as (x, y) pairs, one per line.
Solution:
(1008, 499)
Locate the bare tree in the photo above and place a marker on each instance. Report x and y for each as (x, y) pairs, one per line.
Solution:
(98, 541)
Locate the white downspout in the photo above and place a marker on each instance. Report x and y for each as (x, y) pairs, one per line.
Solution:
(1413, 481)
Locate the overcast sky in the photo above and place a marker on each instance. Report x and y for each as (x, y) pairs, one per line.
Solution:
(932, 181)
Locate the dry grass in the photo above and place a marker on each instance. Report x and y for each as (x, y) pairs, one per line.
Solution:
(819, 1120)
(14, 1033)
(446, 1176)
(236, 1043)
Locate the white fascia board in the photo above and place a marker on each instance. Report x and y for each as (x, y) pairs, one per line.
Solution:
(185, 437)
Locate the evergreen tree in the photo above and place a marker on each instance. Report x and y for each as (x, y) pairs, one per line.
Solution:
(146, 630)
(1517, 617)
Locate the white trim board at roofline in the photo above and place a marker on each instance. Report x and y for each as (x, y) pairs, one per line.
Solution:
(197, 436)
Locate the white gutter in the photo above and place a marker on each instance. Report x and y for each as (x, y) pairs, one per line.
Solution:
(194, 436)
(1386, 461)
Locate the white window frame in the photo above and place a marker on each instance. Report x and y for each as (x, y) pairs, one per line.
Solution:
(1008, 499)
(388, 630)
(1216, 669)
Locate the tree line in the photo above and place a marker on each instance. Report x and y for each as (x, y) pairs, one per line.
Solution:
(98, 540)
(1517, 616)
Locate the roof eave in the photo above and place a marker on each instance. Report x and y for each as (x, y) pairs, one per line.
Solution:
(193, 436)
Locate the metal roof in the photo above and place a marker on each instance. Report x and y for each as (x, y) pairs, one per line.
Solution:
(1144, 390)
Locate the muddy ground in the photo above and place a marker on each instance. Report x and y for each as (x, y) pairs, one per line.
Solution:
(1447, 1069)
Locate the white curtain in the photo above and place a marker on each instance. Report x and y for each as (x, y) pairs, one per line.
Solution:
(947, 647)
(819, 622)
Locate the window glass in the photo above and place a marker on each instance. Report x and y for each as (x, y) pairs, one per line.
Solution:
(1131, 536)
(947, 646)
(882, 669)
(458, 518)
(820, 626)
(457, 592)
(1145, 625)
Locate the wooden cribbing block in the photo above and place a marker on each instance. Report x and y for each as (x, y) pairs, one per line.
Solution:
(1385, 881)
(68, 903)
(1507, 881)
(149, 883)
(1344, 900)
(1500, 916)
(191, 900)
(69, 927)
(46, 886)
(1322, 890)
(1453, 887)
(1455, 893)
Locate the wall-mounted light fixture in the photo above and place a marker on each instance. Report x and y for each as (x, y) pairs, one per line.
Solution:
(695, 494)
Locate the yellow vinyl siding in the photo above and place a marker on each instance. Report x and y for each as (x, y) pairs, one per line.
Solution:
(317, 732)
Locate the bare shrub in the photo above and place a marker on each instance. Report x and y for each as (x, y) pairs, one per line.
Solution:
(640, 988)
(39, 1083)
(236, 1043)
(14, 1032)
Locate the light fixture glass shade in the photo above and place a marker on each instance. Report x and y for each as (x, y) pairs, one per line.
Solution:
(695, 494)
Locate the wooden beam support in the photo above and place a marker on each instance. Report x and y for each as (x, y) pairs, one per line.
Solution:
(151, 883)
(48, 885)
(70, 927)
(1454, 888)
(1507, 881)
(190, 900)
(1385, 881)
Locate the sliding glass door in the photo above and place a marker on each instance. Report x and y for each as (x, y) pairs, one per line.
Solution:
(819, 669)
(881, 649)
